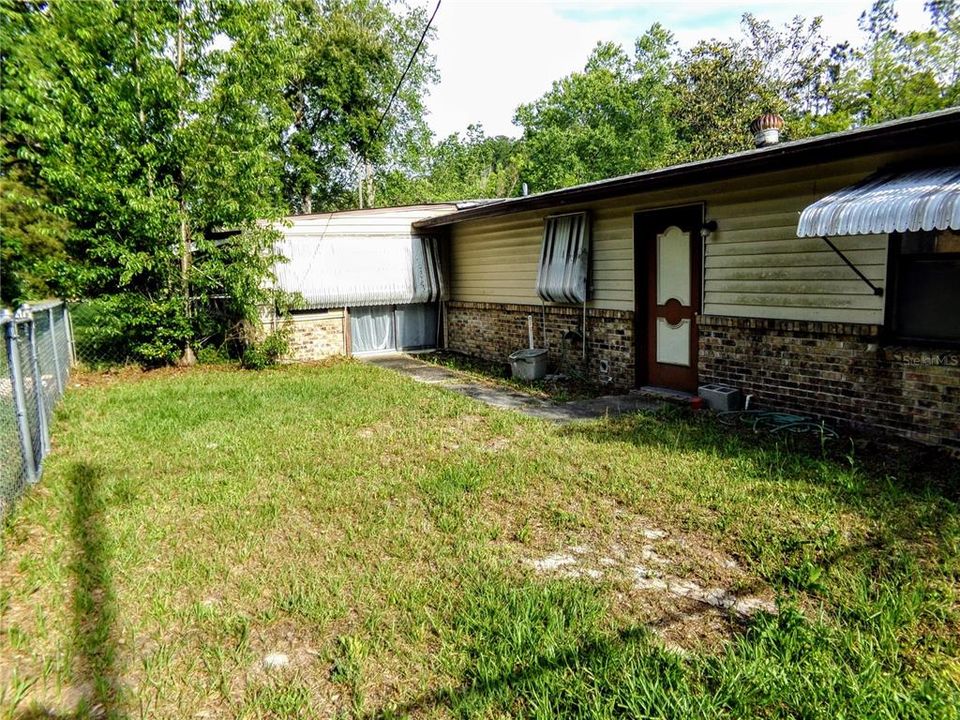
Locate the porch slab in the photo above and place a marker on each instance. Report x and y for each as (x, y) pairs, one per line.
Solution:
(676, 397)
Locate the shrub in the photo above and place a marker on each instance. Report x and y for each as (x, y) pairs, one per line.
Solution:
(210, 355)
(266, 352)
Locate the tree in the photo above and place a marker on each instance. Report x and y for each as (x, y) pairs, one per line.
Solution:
(793, 65)
(608, 120)
(894, 74)
(153, 124)
(945, 23)
(456, 168)
(349, 56)
(475, 166)
(31, 238)
(719, 89)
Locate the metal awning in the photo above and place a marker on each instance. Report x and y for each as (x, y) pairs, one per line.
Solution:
(891, 202)
(340, 270)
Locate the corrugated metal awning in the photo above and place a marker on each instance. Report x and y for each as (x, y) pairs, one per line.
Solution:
(891, 202)
(564, 259)
(354, 270)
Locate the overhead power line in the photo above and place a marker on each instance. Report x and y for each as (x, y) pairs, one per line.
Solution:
(393, 96)
(403, 77)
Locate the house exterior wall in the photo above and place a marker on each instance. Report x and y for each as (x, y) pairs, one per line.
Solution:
(754, 265)
(494, 330)
(316, 335)
(783, 318)
(839, 371)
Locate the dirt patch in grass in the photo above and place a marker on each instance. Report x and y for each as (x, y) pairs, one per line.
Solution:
(692, 594)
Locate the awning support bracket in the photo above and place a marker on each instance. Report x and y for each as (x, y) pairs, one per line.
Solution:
(876, 290)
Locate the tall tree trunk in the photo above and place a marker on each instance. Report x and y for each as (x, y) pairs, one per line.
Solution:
(368, 171)
(360, 184)
(187, 358)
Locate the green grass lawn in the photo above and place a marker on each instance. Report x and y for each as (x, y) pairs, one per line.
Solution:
(414, 553)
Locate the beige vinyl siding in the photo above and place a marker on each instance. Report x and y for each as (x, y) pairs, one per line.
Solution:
(496, 260)
(754, 265)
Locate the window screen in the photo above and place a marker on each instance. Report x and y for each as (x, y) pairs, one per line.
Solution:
(927, 290)
(564, 259)
(416, 326)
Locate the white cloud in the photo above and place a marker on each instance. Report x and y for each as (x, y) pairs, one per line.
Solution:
(494, 55)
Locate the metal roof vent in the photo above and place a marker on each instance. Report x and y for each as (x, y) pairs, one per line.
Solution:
(766, 129)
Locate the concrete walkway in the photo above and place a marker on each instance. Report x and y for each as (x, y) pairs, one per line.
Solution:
(507, 399)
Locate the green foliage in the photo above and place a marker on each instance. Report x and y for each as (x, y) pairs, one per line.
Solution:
(150, 124)
(719, 91)
(348, 56)
(129, 327)
(721, 86)
(623, 113)
(610, 119)
(261, 354)
(459, 167)
(31, 239)
(895, 74)
(210, 355)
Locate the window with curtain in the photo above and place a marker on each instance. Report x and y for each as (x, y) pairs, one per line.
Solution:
(564, 259)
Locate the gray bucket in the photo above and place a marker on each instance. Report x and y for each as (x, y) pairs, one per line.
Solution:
(529, 364)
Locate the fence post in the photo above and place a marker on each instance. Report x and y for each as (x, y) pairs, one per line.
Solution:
(19, 399)
(56, 355)
(71, 340)
(26, 312)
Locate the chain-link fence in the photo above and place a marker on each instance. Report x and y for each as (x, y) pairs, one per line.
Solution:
(100, 340)
(34, 370)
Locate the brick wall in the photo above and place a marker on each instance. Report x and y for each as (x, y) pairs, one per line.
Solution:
(837, 371)
(494, 330)
(316, 335)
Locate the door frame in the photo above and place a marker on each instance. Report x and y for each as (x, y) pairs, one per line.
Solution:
(646, 224)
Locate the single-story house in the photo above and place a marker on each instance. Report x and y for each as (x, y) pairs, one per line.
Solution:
(819, 275)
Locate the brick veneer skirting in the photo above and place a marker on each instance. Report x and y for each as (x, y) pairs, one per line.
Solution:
(494, 330)
(315, 336)
(837, 371)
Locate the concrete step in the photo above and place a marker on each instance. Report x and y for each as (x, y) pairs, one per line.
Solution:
(676, 397)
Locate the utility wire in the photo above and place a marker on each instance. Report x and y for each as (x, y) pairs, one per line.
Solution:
(396, 90)
(403, 77)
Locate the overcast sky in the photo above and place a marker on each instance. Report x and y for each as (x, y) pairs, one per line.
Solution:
(496, 54)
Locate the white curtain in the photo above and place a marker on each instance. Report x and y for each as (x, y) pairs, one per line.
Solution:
(417, 326)
(371, 329)
(384, 328)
